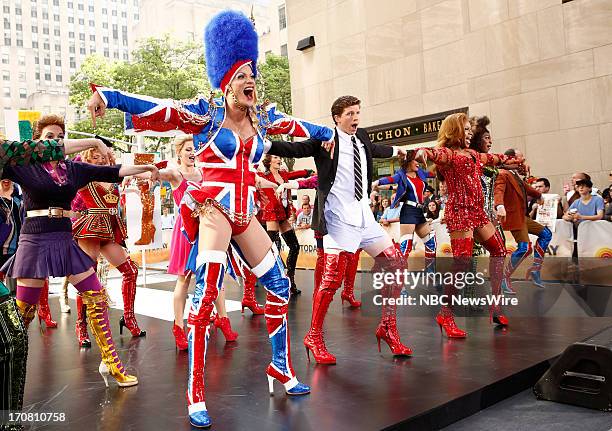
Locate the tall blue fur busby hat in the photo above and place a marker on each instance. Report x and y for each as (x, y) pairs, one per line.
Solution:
(230, 42)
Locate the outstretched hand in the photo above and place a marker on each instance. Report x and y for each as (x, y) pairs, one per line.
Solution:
(329, 146)
(96, 107)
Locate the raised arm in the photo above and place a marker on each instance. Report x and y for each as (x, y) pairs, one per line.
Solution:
(439, 155)
(278, 123)
(294, 175)
(491, 159)
(26, 152)
(150, 113)
(393, 179)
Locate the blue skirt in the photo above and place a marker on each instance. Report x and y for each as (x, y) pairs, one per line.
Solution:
(411, 215)
(43, 255)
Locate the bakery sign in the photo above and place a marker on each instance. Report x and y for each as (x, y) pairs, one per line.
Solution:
(411, 131)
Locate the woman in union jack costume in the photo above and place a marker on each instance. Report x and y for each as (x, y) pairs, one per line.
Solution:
(230, 136)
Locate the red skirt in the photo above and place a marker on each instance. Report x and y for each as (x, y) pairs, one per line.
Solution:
(105, 227)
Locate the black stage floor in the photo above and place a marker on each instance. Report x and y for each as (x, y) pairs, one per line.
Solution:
(444, 381)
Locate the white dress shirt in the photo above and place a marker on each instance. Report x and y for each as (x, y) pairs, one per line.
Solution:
(341, 199)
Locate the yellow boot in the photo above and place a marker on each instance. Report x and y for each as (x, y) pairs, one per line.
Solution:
(97, 315)
(27, 311)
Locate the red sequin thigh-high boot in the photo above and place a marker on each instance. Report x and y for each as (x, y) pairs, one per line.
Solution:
(81, 323)
(335, 266)
(390, 260)
(462, 257)
(129, 271)
(497, 251)
(318, 271)
(44, 312)
(349, 280)
(248, 298)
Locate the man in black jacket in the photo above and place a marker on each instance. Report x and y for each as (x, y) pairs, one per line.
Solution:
(342, 215)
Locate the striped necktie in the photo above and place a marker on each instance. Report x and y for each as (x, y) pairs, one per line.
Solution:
(357, 165)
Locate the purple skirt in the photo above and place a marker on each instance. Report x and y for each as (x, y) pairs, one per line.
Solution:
(43, 255)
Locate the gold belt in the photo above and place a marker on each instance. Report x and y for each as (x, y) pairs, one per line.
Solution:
(111, 211)
(53, 212)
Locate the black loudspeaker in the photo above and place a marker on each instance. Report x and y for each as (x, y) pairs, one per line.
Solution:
(582, 375)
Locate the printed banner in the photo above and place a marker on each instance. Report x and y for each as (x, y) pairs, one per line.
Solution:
(595, 238)
(19, 125)
(547, 212)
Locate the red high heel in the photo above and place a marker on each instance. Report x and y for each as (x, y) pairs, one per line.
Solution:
(388, 332)
(248, 299)
(179, 337)
(498, 319)
(224, 324)
(314, 343)
(44, 312)
(450, 327)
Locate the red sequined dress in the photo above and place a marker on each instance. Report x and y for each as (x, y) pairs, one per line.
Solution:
(462, 171)
(101, 219)
(275, 209)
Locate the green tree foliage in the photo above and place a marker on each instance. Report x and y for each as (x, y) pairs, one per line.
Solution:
(274, 84)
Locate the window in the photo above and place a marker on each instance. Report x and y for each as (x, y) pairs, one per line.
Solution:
(18, 27)
(47, 61)
(37, 75)
(81, 36)
(56, 18)
(115, 32)
(90, 8)
(7, 24)
(22, 76)
(92, 23)
(284, 50)
(105, 25)
(17, 10)
(36, 60)
(71, 34)
(282, 17)
(81, 21)
(106, 53)
(7, 40)
(23, 93)
(34, 29)
(125, 41)
(46, 46)
(92, 37)
(80, 6)
(123, 14)
(58, 62)
(34, 13)
(19, 42)
(55, 2)
(45, 30)
(105, 39)
(116, 54)
(5, 59)
(6, 91)
(56, 31)
(58, 47)
(58, 78)
(72, 49)
(72, 63)
(47, 77)
(6, 9)
(104, 11)
(114, 12)
(34, 44)
(125, 56)
(82, 51)
(6, 75)
(71, 20)
(136, 17)
(70, 5)
(45, 15)
(21, 60)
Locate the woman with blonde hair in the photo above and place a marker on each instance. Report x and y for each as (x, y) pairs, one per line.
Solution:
(464, 213)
